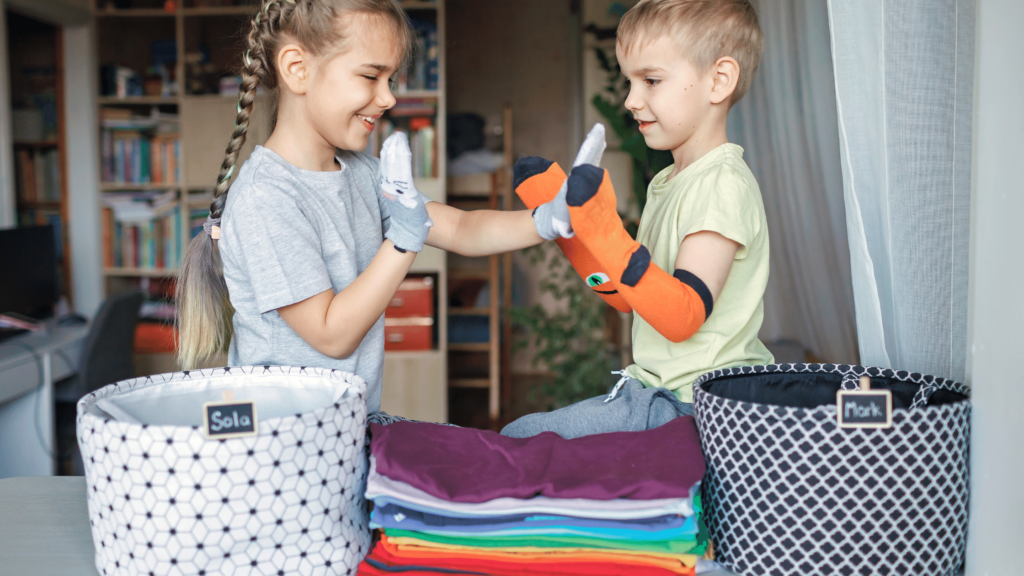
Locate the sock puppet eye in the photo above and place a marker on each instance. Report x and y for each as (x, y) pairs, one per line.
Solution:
(597, 279)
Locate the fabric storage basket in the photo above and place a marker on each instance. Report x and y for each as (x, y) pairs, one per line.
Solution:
(789, 492)
(165, 499)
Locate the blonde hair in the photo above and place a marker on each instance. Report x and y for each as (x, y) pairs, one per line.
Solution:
(705, 30)
(204, 311)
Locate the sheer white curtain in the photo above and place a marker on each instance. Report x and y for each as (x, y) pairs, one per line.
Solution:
(904, 83)
(787, 126)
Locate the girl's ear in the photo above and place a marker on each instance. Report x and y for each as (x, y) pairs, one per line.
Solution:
(725, 75)
(294, 65)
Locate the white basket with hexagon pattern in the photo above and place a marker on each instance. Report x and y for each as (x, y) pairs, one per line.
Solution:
(787, 491)
(165, 499)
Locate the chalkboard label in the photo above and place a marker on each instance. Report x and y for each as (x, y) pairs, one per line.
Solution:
(864, 409)
(229, 419)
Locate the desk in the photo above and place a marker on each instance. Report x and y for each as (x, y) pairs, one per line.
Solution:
(26, 395)
(44, 528)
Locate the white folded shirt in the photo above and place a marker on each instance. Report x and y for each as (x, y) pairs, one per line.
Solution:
(384, 490)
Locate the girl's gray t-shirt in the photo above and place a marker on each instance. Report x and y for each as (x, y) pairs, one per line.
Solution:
(288, 234)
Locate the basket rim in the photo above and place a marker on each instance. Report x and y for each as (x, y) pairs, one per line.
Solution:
(841, 369)
(349, 378)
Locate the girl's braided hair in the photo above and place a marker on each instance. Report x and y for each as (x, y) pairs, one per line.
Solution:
(203, 311)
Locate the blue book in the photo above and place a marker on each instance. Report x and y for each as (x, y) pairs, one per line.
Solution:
(119, 161)
(432, 64)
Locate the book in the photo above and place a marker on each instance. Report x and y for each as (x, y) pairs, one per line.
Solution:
(140, 243)
(26, 176)
(414, 107)
(422, 72)
(39, 171)
(139, 149)
(108, 234)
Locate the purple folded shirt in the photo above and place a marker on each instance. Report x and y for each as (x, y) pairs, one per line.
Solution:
(469, 465)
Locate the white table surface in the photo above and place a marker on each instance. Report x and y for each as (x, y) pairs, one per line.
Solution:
(19, 371)
(44, 528)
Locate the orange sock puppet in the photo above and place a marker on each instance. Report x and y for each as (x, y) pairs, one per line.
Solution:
(537, 181)
(676, 305)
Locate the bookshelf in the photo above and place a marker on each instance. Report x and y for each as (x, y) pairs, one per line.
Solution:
(416, 382)
(205, 45)
(480, 348)
(37, 90)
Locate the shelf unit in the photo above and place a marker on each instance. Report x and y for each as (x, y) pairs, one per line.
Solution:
(495, 191)
(35, 45)
(415, 383)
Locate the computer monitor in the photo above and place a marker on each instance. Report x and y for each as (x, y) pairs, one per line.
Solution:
(28, 271)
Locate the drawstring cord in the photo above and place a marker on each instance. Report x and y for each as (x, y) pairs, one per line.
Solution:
(618, 385)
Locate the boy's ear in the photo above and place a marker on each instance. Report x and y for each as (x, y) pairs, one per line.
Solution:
(725, 75)
(293, 64)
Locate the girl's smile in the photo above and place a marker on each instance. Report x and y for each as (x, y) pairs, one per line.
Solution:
(369, 121)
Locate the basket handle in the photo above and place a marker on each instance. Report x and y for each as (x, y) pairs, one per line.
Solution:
(851, 381)
(923, 394)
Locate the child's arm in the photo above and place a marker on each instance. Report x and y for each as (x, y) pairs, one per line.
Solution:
(486, 232)
(675, 304)
(335, 323)
(538, 181)
(481, 232)
(709, 256)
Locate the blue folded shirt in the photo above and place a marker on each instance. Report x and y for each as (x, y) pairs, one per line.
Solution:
(667, 527)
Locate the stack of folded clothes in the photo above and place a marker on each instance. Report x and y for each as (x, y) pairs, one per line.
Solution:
(463, 501)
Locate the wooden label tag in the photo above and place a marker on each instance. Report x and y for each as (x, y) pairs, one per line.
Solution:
(864, 409)
(229, 419)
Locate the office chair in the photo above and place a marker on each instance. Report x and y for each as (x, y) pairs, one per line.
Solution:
(106, 358)
(107, 352)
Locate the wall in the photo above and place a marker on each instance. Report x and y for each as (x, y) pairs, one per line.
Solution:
(7, 212)
(518, 52)
(524, 53)
(996, 314)
(82, 168)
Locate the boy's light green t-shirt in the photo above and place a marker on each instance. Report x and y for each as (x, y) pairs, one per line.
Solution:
(716, 193)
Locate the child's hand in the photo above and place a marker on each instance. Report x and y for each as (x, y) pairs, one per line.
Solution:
(552, 219)
(410, 222)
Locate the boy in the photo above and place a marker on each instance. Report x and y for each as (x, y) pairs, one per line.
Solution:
(696, 274)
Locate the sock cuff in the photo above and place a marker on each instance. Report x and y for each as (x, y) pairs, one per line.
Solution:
(699, 287)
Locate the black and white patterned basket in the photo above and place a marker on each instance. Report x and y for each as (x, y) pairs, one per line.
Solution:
(165, 499)
(789, 492)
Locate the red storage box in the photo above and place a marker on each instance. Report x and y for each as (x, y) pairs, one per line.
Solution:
(408, 334)
(153, 338)
(414, 299)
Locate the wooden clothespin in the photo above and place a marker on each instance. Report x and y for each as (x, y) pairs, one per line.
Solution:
(864, 408)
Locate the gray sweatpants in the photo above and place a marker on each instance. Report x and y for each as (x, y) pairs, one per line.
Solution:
(633, 409)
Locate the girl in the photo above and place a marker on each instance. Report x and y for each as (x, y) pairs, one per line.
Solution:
(314, 242)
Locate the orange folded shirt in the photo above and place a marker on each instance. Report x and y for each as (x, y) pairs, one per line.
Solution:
(512, 561)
